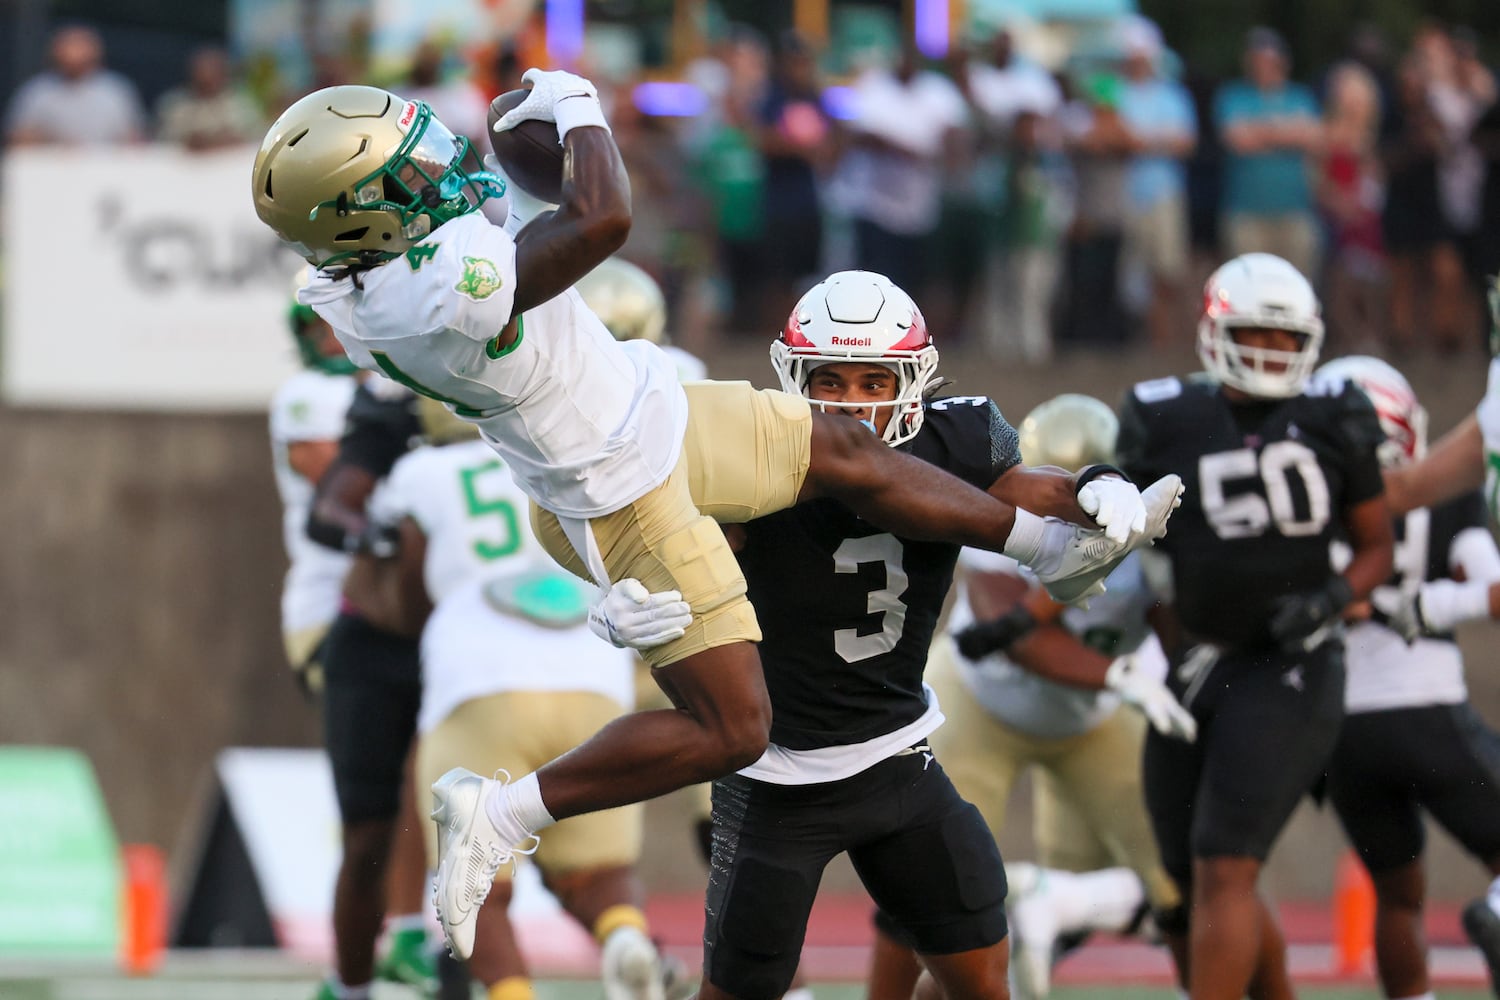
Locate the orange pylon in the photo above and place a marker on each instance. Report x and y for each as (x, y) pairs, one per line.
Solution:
(143, 931)
(1353, 917)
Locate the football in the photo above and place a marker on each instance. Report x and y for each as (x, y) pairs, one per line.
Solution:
(530, 153)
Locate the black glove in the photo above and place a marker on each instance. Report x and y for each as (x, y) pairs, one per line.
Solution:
(982, 638)
(1296, 618)
(379, 540)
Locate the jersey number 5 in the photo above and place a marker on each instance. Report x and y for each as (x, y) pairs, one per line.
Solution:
(1249, 514)
(885, 602)
(510, 527)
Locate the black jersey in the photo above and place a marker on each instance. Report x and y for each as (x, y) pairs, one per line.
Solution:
(382, 425)
(848, 611)
(1267, 484)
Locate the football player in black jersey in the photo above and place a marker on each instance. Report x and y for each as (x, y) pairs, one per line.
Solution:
(372, 690)
(848, 613)
(1411, 742)
(1272, 474)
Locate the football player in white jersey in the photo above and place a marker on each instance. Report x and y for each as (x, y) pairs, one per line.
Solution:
(512, 677)
(307, 420)
(1033, 685)
(1411, 743)
(380, 197)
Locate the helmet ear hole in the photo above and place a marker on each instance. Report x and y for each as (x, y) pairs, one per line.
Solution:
(352, 235)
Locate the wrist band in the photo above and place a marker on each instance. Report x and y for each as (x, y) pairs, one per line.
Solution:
(578, 111)
(1089, 473)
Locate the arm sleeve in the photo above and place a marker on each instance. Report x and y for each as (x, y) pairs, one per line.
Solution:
(479, 288)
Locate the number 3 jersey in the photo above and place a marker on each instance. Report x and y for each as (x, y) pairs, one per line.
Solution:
(495, 624)
(586, 423)
(1267, 482)
(848, 611)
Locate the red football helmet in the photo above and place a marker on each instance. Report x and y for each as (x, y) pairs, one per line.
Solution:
(860, 316)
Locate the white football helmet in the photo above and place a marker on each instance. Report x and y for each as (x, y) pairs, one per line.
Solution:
(1402, 417)
(1259, 290)
(860, 316)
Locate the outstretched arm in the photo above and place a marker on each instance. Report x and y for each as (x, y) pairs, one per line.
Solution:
(1455, 465)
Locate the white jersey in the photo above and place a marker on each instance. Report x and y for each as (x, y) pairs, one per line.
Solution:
(1022, 700)
(1488, 414)
(506, 618)
(309, 406)
(1384, 672)
(585, 423)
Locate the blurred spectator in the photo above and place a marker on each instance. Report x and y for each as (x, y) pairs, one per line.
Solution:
(732, 174)
(207, 112)
(1486, 257)
(1270, 128)
(795, 140)
(905, 126)
(1101, 145)
(78, 102)
(1350, 194)
(1037, 209)
(1006, 85)
(1427, 275)
(1160, 116)
(455, 98)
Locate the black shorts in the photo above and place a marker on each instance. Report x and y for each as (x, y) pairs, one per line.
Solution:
(1390, 766)
(1267, 724)
(923, 853)
(372, 688)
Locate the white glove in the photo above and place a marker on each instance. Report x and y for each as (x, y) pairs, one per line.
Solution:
(1151, 697)
(556, 96)
(1116, 506)
(629, 615)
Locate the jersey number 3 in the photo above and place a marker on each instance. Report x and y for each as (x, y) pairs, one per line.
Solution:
(885, 602)
(1248, 514)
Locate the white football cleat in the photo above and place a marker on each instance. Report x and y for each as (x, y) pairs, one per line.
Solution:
(470, 852)
(1033, 931)
(631, 967)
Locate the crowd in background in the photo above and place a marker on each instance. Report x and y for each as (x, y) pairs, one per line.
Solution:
(1027, 210)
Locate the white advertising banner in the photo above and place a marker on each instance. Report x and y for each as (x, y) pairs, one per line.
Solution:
(140, 278)
(283, 803)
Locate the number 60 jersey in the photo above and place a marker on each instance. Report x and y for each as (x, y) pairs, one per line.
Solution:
(1267, 485)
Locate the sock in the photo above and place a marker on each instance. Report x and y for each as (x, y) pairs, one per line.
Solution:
(1025, 539)
(511, 988)
(798, 993)
(1429, 995)
(1104, 900)
(617, 916)
(348, 992)
(519, 805)
(406, 923)
(1493, 896)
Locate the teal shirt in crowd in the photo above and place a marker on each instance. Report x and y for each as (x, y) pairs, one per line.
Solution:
(1271, 183)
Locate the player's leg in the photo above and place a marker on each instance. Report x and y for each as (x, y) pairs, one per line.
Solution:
(1459, 783)
(1372, 791)
(939, 877)
(372, 689)
(1275, 722)
(771, 844)
(894, 966)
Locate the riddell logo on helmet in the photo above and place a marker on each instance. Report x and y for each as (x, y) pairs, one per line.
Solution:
(408, 115)
(851, 341)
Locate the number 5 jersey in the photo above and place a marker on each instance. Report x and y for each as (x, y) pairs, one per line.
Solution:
(1266, 485)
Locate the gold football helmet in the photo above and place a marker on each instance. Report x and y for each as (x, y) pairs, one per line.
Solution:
(355, 176)
(627, 299)
(1070, 431)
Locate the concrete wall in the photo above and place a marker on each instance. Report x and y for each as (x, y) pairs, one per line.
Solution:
(141, 573)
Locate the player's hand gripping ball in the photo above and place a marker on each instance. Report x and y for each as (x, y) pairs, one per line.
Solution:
(530, 152)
